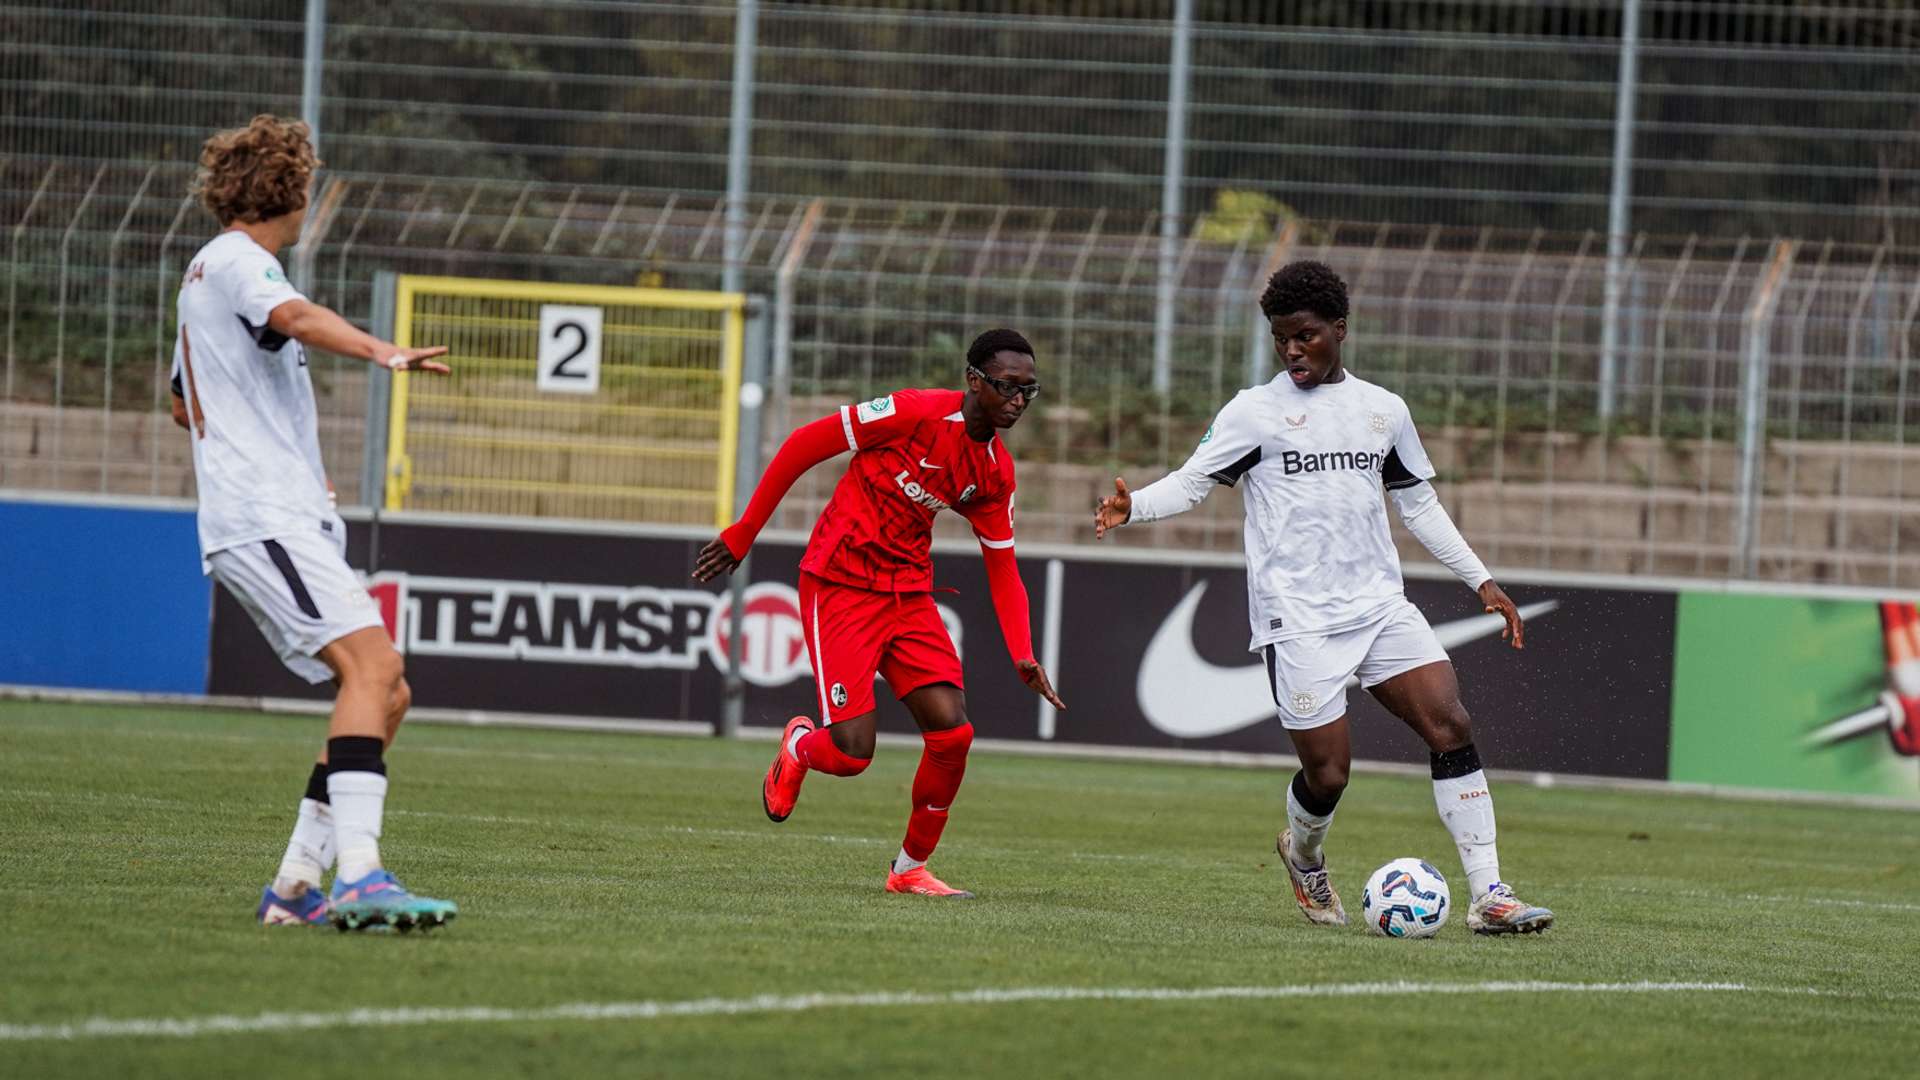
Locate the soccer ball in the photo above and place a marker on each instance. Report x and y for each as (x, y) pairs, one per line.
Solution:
(1405, 898)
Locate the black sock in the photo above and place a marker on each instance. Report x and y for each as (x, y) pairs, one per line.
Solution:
(355, 753)
(1450, 764)
(1308, 801)
(317, 782)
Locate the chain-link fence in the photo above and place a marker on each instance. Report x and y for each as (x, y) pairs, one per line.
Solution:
(1749, 116)
(1490, 334)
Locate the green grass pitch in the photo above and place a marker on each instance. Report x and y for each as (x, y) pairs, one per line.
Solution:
(626, 874)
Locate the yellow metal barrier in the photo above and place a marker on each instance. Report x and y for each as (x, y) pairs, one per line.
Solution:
(580, 401)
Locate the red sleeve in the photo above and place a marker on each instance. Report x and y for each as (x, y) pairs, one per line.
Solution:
(1009, 601)
(808, 446)
(992, 522)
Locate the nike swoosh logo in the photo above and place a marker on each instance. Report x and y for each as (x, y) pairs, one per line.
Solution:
(931, 809)
(1186, 697)
(925, 464)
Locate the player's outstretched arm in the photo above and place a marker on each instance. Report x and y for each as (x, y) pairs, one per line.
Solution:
(1231, 446)
(311, 324)
(808, 446)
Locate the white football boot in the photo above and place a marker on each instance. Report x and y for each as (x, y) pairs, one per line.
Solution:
(1498, 911)
(1312, 886)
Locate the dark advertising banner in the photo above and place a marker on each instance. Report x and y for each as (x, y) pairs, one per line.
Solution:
(1150, 654)
(1170, 667)
(608, 624)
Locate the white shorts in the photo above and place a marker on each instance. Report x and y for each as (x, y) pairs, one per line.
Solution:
(301, 593)
(1310, 675)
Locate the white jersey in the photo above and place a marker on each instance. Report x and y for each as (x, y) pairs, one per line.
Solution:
(256, 445)
(1320, 558)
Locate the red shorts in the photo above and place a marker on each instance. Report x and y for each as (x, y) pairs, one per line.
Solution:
(853, 633)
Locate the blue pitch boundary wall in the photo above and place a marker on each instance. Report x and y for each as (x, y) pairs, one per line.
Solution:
(103, 596)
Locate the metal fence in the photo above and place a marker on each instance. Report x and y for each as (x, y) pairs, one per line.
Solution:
(1747, 116)
(1765, 420)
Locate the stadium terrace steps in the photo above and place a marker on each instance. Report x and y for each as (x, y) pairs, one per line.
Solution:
(1832, 512)
(43, 448)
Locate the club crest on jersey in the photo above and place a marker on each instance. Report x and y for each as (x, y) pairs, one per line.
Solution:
(879, 407)
(919, 494)
(1378, 422)
(838, 695)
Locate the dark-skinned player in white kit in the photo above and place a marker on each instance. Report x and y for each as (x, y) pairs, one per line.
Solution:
(1316, 446)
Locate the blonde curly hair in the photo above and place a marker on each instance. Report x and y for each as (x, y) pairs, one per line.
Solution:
(257, 172)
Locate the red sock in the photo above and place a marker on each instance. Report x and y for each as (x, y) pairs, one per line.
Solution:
(816, 751)
(942, 765)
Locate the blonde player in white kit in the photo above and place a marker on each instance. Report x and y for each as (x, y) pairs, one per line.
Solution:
(1316, 445)
(268, 530)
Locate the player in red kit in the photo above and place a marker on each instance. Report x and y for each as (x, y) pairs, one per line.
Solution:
(866, 583)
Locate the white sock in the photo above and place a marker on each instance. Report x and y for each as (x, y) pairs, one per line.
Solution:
(904, 862)
(793, 744)
(309, 851)
(1308, 830)
(359, 799)
(1466, 809)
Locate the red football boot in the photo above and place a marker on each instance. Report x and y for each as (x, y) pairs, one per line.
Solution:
(781, 789)
(920, 882)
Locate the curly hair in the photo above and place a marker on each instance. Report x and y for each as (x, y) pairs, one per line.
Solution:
(1305, 286)
(256, 172)
(994, 342)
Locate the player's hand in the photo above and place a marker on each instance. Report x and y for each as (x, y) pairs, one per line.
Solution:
(1495, 598)
(1035, 677)
(1114, 510)
(419, 360)
(714, 560)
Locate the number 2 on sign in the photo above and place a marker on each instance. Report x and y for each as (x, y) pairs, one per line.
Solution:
(569, 349)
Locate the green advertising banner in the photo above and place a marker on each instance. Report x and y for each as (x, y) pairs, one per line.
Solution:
(1793, 693)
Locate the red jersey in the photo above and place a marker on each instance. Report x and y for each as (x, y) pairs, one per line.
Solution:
(912, 458)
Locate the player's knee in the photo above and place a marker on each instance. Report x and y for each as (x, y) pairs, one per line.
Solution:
(388, 671)
(1327, 779)
(1451, 728)
(379, 671)
(399, 700)
(853, 740)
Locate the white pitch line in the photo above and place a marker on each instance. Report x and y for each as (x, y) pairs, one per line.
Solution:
(1828, 901)
(1757, 898)
(193, 1027)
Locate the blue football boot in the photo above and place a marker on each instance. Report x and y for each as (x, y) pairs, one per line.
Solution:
(379, 900)
(307, 909)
